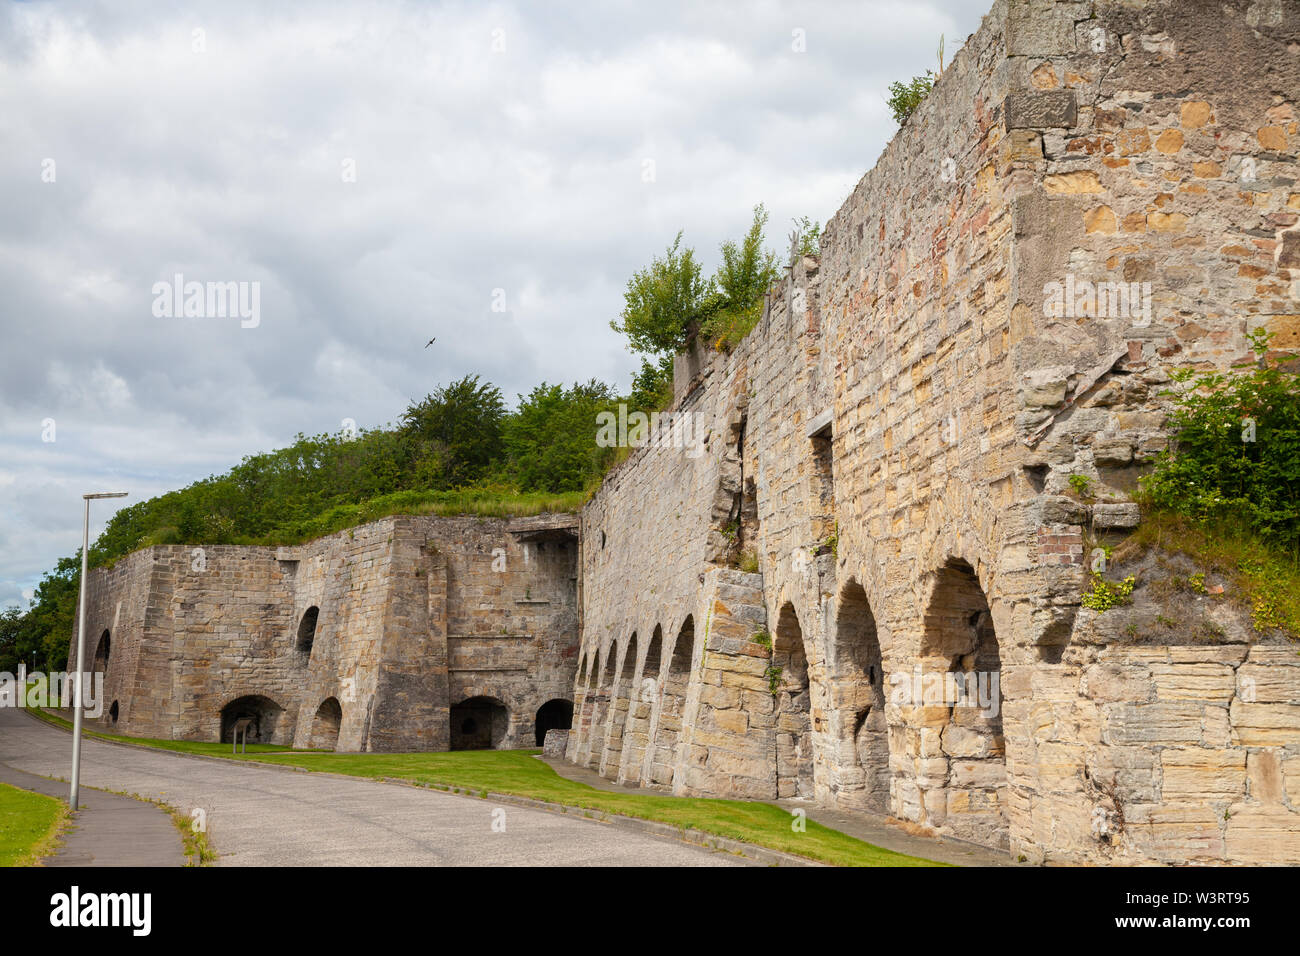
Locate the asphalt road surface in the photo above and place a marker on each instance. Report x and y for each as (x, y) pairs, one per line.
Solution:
(263, 816)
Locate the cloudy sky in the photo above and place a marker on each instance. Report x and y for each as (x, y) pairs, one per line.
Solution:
(386, 172)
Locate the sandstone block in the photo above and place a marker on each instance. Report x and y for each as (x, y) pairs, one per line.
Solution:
(1199, 773)
(1265, 725)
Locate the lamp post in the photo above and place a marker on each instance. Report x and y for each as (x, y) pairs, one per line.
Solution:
(81, 647)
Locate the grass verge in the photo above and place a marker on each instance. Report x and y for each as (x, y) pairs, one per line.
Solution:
(198, 851)
(30, 824)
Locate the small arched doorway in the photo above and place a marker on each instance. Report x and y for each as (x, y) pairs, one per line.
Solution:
(600, 713)
(262, 711)
(307, 633)
(479, 723)
(325, 726)
(620, 701)
(858, 683)
(642, 700)
(555, 714)
(790, 687)
(102, 651)
(961, 662)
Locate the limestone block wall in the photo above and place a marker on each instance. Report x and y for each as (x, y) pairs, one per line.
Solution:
(891, 449)
(412, 617)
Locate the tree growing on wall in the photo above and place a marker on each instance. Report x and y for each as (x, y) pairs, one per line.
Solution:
(904, 98)
(663, 303)
(669, 302)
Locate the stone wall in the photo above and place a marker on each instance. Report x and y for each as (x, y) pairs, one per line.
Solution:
(413, 616)
(890, 450)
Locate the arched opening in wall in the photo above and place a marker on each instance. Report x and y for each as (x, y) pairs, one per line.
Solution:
(479, 723)
(307, 632)
(961, 678)
(102, 650)
(325, 725)
(643, 698)
(112, 713)
(262, 713)
(622, 701)
(580, 692)
(555, 714)
(859, 687)
(586, 712)
(793, 738)
(600, 714)
(668, 727)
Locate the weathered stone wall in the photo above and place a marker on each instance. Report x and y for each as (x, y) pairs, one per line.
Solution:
(891, 449)
(414, 616)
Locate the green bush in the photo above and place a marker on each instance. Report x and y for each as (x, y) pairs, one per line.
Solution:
(904, 98)
(1235, 451)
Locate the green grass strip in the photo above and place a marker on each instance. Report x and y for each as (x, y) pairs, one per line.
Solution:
(29, 825)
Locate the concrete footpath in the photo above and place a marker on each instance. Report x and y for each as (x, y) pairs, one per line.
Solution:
(107, 829)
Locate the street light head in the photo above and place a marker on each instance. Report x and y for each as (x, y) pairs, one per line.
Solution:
(108, 494)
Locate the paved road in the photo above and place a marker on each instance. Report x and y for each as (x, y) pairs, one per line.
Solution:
(262, 816)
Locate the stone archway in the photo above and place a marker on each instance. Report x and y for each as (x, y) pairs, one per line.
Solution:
(793, 691)
(858, 685)
(306, 633)
(964, 787)
(642, 698)
(479, 723)
(326, 725)
(556, 714)
(262, 712)
(668, 724)
(620, 702)
(604, 687)
(99, 664)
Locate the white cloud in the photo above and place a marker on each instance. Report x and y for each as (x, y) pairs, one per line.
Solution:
(476, 170)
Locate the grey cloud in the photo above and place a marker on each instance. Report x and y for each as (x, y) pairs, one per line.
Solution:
(476, 170)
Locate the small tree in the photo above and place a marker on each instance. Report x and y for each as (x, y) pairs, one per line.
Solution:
(904, 98)
(662, 303)
(746, 273)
